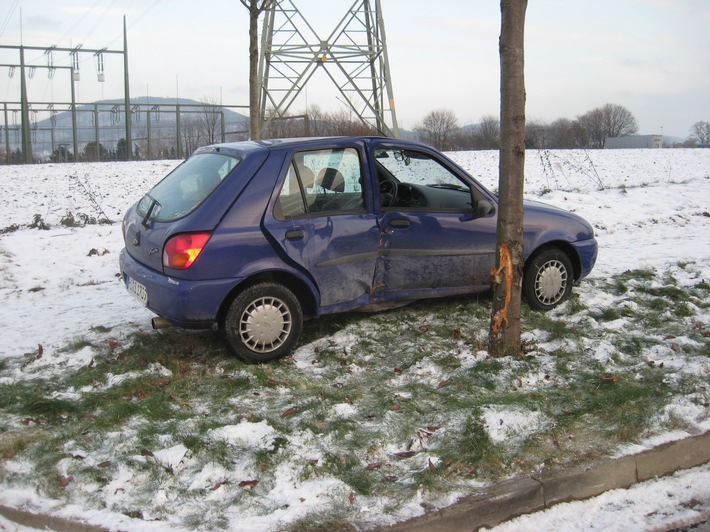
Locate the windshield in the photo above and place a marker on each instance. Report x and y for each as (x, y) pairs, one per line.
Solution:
(182, 190)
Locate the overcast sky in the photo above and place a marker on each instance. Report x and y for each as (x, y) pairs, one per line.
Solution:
(651, 56)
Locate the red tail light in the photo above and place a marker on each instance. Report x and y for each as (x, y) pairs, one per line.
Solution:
(182, 250)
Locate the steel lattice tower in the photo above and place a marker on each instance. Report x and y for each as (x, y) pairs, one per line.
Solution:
(354, 56)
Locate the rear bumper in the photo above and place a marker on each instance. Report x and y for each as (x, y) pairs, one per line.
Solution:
(189, 304)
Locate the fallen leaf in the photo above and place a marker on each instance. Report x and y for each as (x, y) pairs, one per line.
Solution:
(391, 478)
(444, 383)
(104, 464)
(162, 382)
(40, 351)
(219, 485)
(65, 481)
(291, 411)
(113, 344)
(248, 483)
(405, 454)
(374, 465)
(351, 497)
(146, 452)
(608, 377)
(395, 407)
(432, 467)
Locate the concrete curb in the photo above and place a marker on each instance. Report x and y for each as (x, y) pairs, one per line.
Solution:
(505, 500)
(528, 494)
(47, 522)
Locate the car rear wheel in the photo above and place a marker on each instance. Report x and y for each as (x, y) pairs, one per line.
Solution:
(548, 279)
(263, 323)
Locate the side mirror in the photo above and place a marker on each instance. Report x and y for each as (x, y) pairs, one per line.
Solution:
(483, 208)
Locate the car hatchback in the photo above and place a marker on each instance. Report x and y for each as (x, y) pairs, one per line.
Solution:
(255, 236)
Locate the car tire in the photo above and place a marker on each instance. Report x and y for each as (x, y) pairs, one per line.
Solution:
(548, 279)
(263, 323)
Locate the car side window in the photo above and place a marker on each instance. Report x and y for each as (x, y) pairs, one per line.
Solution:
(321, 181)
(411, 179)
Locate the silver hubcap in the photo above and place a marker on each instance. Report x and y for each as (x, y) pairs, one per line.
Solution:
(265, 324)
(551, 282)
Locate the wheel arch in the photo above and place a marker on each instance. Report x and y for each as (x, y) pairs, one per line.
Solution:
(299, 288)
(564, 247)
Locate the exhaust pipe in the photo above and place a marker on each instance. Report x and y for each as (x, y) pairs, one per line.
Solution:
(160, 323)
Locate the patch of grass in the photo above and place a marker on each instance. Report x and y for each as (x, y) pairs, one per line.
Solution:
(607, 314)
(318, 522)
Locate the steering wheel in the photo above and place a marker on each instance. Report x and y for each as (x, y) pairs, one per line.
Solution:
(388, 192)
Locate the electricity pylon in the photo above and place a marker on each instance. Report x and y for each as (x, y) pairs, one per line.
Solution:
(354, 57)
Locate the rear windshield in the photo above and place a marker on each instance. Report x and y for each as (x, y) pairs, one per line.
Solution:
(183, 189)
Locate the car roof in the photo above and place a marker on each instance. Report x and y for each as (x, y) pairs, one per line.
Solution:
(242, 147)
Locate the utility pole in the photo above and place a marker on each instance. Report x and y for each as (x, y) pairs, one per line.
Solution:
(25, 112)
(127, 97)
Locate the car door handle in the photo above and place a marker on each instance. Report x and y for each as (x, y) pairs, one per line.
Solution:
(400, 223)
(295, 234)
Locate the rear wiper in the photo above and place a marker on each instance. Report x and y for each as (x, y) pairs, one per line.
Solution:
(153, 204)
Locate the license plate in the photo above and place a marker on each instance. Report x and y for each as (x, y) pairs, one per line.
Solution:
(138, 290)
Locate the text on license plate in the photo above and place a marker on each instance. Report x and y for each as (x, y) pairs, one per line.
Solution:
(138, 290)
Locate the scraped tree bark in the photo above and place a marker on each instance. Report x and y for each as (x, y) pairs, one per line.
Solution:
(504, 334)
(256, 8)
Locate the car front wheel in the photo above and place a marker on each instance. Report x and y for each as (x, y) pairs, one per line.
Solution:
(263, 323)
(548, 279)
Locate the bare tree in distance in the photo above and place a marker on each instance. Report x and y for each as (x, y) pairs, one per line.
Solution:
(191, 132)
(610, 120)
(564, 133)
(256, 8)
(437, 128)
(504, 333)
(211, 118)
(489, 131)
(700, 132)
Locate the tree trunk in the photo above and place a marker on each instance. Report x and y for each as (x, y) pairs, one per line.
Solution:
(504, 335)
(254, 122)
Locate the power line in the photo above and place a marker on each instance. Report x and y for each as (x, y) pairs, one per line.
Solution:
(8, 17)
(136, 21)
(79, 21)
(101, 17)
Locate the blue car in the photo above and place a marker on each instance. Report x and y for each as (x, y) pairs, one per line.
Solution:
(257, 236)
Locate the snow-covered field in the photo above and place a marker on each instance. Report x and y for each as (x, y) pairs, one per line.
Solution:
(649, 208)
